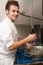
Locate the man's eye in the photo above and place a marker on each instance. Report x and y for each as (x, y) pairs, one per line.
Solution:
(15, 11)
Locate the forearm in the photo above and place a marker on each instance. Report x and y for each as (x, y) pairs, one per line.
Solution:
(17, 44)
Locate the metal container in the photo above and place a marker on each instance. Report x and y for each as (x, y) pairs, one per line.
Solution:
(35, 51)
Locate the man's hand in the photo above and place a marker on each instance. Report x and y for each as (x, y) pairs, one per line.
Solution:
(29, 46)
(31, 37)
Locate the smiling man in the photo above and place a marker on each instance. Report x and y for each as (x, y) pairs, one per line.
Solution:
(8, 35)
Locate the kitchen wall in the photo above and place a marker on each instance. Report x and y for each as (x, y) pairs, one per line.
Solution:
(24, 22)
(23, 31)
(26, 8)
(2, 9)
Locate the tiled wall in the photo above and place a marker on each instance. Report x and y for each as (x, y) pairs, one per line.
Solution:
(23, 30)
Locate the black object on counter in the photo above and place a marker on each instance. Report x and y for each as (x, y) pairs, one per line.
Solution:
(39, 31)
(41, 35)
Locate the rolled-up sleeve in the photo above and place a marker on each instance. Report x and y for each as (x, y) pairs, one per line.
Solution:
(9, 41)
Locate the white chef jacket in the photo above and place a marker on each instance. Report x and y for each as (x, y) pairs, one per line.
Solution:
(8, 34)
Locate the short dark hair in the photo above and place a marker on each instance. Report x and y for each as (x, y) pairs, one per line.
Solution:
(9, 3)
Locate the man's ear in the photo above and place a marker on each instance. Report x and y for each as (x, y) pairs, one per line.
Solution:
(6, 12)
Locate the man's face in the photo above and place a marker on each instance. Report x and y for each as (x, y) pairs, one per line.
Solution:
(13, 12)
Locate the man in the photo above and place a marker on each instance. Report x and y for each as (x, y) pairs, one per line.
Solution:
(8, 35)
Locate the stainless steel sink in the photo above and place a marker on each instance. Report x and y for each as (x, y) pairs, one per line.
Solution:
(36, 50)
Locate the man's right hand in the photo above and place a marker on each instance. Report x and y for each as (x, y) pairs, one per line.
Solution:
(31, 37)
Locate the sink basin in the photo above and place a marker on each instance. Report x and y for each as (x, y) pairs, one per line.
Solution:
(36, 50)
